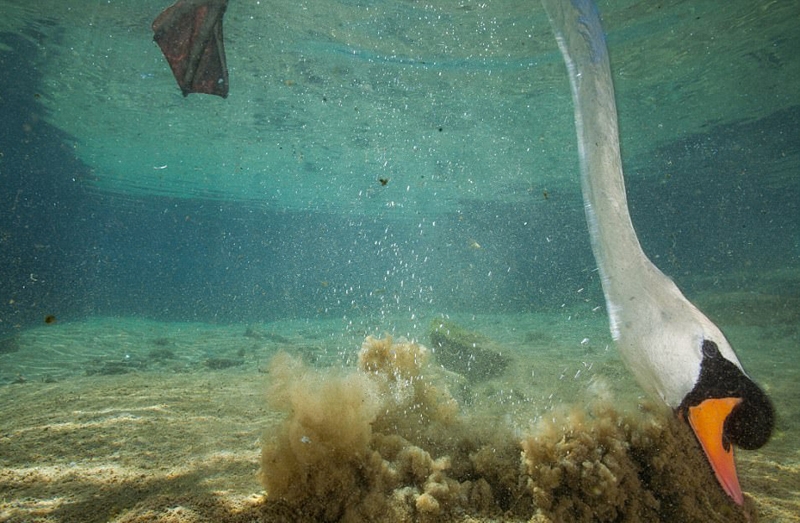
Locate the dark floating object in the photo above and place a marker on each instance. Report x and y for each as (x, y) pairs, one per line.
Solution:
(189, 33)
(49, 319)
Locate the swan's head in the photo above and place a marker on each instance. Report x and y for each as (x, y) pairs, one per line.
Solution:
(726, 408)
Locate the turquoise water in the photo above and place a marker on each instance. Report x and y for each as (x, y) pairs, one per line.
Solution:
(129, 213)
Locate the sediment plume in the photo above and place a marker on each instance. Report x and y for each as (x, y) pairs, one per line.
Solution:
(387, 442)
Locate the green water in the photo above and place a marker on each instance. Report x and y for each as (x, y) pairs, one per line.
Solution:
(376, 165)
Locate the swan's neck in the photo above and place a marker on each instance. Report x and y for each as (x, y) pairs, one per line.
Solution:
(614, 242)
(658, 331)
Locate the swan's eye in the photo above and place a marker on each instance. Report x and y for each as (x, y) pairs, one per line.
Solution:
(710, 349)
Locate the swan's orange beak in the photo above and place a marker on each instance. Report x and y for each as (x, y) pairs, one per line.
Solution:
(707, 421)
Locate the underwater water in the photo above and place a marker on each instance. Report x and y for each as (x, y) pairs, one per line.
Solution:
(188, 283)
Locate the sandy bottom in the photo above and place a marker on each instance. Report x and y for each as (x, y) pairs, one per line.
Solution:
(127, 420)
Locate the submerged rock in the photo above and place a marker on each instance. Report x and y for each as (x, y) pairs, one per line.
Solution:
(222, 363)
(466, 352)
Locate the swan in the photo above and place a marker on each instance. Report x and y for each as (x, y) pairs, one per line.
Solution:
(673, 350)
